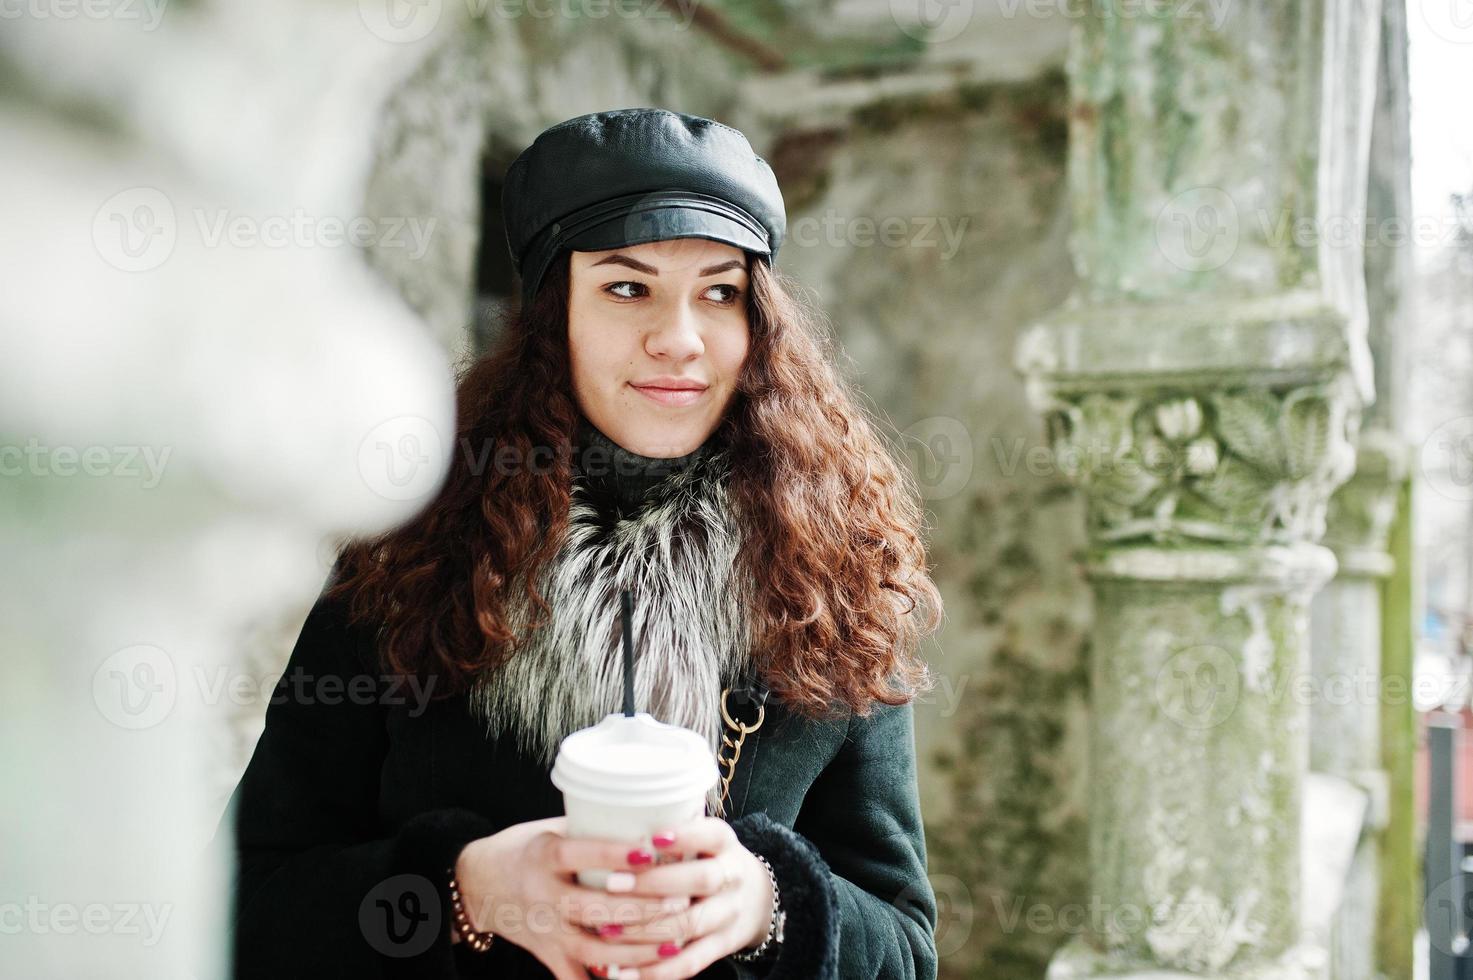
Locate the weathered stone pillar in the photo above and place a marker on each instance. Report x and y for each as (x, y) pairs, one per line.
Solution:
(1347, 693)
(1346, 623)
(202, 384)
(1203, 385)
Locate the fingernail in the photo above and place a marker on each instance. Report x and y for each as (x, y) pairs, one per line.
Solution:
(664, 838)
(598, 971)
(640, 856)
(619, 881)
(668, 949)
(610, 929)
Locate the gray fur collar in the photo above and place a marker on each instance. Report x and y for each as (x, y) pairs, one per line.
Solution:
(676, 555)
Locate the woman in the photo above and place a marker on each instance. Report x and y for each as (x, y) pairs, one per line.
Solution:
(658, 416)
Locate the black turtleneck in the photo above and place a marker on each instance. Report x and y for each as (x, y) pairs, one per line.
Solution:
(616, 478)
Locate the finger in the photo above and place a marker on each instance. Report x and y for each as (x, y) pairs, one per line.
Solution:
(533, 828)
(696, 838)
(591, 908)
(568, 855)
(680, 927)
(697, 878)
(691, 960)
(564, 967)
(703, 917)
(592, 951)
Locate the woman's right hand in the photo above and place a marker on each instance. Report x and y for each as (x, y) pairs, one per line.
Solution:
(520, 884)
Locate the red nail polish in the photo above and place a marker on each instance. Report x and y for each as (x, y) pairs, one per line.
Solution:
(668, 949)
(640, 856)
(598, 971)
(664, 838)
(610, 929)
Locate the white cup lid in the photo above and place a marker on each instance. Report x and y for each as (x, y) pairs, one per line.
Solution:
(636, 761)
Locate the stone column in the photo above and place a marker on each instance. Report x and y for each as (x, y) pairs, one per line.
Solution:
(1346, 624)
(1348, 693)
(203, 387)
(1203, 386)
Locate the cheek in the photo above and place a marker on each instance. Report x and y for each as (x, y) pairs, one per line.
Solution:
(596, 364)
(733, 354)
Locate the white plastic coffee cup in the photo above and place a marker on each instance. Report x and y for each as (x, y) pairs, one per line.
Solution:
(627, 778)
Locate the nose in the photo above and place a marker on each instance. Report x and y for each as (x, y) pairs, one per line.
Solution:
(675, 333)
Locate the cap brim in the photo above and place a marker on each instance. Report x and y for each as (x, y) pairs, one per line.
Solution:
(663, 223)
(657, 219)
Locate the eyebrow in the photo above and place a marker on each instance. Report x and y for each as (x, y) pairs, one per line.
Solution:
(650, 270)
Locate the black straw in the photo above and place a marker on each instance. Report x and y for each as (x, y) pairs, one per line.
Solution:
(628, 621)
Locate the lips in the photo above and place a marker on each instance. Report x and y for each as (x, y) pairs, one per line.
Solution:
(671, 393)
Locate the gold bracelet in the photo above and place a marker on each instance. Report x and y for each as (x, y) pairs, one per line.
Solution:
(477, 941)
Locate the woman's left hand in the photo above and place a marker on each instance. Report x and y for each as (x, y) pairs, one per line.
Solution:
(730, 892)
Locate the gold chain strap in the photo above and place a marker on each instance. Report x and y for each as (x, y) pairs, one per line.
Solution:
(743, 730)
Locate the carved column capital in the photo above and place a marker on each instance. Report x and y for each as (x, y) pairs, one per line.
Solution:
(1172, 451)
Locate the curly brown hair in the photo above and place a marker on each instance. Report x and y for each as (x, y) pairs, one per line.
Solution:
(842, 595)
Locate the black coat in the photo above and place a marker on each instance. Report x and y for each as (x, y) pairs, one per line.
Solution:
(361, 792)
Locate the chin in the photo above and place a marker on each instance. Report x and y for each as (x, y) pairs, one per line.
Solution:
(661, 442)
(667, 449)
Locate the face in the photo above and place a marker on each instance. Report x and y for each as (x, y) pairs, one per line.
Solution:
(657, 335)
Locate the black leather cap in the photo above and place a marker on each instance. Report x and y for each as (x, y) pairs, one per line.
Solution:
(629, 176)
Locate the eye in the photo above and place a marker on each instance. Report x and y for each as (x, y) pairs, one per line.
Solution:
(613, 288)
(732, 293)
